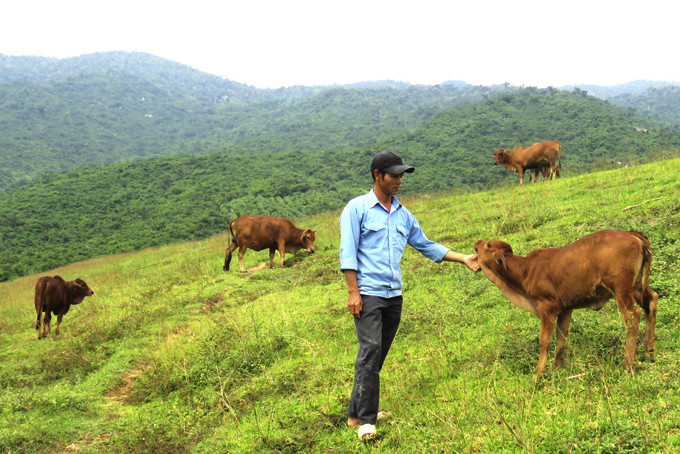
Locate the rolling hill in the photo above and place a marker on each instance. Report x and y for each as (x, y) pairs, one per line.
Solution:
(171, 354)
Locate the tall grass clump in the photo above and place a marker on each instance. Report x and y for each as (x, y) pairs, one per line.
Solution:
(172, 354)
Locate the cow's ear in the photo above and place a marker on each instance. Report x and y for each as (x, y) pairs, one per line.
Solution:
(499, 258)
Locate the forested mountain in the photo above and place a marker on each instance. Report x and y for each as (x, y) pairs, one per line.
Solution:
(656, 100)
(59, 115)
(662, 104)
(126, 206)
(176, 80)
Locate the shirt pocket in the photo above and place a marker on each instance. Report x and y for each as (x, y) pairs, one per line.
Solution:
(401, 237)
(374, 236)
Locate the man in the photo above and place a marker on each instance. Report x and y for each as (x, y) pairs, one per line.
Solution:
(375, 229)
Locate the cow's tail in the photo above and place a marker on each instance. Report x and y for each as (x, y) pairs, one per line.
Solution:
(647, 296)
(559, 157)
(558, 162)
(231, 245)
(38, 299)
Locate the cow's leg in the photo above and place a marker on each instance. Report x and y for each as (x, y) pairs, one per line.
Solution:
(227, 257)
(38, 303)
(563, 321)
(272, 252)
(46, 323)
(520, 170)
(650, 323)
(38, 326)
(241, 253)
(631, 318)
(282, 251)
(544, 339)
(59, 317)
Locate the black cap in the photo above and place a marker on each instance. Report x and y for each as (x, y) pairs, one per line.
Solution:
(390, 163)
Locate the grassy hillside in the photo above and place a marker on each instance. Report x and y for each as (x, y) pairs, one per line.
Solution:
(173, 355)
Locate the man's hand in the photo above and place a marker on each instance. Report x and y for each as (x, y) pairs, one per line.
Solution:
(355, 304)
(472, 262)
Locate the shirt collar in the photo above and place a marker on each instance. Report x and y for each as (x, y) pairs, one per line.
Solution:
(373, 200)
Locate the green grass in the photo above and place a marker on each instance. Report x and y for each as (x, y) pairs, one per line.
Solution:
(171, 354)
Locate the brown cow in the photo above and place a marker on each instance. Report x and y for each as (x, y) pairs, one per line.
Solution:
(53, 295)
(552, 282)
(262, 232)
(535, 156)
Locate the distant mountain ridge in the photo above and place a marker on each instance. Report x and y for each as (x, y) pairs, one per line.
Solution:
(57, 115)
(183, 79)
(175, 78)
(61, 114)
(637, 87)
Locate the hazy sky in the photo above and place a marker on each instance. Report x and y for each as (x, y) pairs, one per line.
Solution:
(274, 43)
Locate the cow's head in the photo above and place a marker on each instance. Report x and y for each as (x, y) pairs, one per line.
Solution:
(79, 291)
(492, 254)
(499, 156)
(307, 240)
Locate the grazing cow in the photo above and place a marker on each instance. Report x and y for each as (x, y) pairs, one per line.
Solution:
(53, 295)
(266, 232)
(552, 282)
(535, 156)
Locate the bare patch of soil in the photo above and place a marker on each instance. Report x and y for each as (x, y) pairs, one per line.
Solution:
(259, 267)
(121, 394)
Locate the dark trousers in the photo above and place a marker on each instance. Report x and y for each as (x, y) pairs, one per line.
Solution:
(375, 329)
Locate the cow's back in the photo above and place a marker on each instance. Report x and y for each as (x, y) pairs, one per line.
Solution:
(579, 269)
(56, 294)
(534, 154)
(261, 232)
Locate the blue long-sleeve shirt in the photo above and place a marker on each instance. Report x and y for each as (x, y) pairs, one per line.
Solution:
(373, 241)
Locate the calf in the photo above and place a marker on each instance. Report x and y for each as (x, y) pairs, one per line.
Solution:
(546, 172)
(550, 283)
(266, 232)
(53, 295)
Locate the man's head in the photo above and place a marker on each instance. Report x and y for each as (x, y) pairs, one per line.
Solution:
(388, 162)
